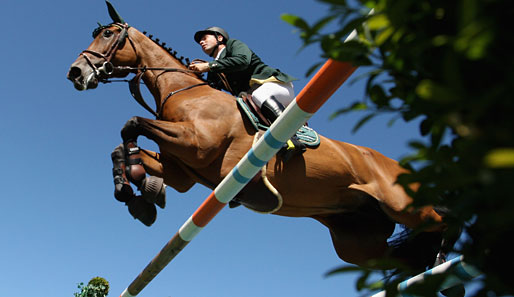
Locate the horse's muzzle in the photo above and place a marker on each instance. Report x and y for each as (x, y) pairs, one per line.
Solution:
(82, 81)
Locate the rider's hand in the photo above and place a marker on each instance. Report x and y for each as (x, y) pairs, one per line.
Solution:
(199, 67)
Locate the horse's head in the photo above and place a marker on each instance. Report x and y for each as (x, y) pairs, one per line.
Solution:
(111, 47)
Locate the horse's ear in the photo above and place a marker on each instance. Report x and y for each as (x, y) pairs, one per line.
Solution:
(115, 16)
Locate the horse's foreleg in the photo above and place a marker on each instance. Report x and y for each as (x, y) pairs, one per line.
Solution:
(122, 190)
(135, 169)
(138, 207)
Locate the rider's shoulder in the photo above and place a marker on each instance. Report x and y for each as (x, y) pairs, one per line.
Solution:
(235, 42)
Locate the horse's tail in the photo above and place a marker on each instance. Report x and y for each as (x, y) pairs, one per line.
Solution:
(424, 250)
(416, 250)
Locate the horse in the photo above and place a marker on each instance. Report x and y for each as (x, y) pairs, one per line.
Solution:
(201, 135)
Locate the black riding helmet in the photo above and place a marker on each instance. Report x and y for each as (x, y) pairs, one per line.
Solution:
(212, 30)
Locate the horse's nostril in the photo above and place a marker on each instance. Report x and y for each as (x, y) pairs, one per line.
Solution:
(74, 73)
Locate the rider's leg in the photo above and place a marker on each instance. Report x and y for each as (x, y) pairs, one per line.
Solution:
(271, 97)
(283, 93)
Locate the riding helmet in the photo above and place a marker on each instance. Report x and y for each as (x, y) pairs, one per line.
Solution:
(211, 30)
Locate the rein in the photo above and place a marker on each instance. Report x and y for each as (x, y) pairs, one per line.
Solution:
(135, 91)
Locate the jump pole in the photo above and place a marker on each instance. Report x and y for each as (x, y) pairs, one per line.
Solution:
(461, 272)
(324, 83)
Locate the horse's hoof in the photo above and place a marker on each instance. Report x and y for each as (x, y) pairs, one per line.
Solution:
(153, 190)
(122, 192)
(131, 130)
(142, 210)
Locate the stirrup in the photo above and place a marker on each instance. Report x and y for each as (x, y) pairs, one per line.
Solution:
(291, 148)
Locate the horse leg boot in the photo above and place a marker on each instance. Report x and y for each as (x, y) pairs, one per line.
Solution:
(135, 170)
(152, 188)
(122, 190)
(272, 109)
(139, 208)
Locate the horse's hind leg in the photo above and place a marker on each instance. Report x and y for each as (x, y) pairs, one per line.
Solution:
(359, 236)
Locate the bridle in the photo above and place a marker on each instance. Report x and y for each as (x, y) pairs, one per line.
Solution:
(107, 68)
(104, 72)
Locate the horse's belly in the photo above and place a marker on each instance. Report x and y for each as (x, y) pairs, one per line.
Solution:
(314, 190)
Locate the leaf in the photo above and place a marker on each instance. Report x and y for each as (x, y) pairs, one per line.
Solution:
(322, 23)
(350, 26)
(356, 106)
(391, 122)
(383, 36)
(313, 68)
(378, 96)
(425, 89)
(500, 158)
(425, 126)
(335, 2)
(363, 121)
(295, 21)
(378, 22)
(417, 145)
(344, 269)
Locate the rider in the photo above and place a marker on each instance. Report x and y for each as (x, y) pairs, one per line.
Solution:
(270, 88)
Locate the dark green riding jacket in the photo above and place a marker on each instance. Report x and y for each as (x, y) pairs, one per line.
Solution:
(240, 64)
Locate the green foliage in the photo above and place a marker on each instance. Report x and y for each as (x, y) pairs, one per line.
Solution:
(97, 287)
(447, 63)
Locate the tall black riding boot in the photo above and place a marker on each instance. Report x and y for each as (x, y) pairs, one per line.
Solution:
(272, 109)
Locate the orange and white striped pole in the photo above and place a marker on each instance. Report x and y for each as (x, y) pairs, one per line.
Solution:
(326, 81)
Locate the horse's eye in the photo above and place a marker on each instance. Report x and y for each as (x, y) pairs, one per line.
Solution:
(108, 33)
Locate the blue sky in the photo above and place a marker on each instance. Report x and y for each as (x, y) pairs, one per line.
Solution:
(60, 224)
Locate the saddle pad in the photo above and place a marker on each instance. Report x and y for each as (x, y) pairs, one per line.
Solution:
(250, 115)
(305, 134)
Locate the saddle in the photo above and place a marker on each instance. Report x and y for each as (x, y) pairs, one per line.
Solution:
(305, 134)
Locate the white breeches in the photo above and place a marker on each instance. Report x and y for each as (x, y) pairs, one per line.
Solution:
(283, 92)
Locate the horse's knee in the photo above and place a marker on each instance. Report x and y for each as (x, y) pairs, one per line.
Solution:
(131, 130)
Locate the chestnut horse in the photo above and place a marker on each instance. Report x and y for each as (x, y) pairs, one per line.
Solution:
(201, 135)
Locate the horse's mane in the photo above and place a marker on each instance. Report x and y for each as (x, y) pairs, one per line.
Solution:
(184, 61)
(173, 53)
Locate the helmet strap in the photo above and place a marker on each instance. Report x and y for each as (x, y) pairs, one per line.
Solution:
(217, 45)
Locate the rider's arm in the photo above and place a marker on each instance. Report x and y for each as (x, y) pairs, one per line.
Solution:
(238, 57)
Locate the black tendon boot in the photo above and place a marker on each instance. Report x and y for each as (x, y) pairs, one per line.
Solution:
(272, 109)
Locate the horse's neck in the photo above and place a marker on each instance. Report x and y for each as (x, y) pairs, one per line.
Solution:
(159, 82)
